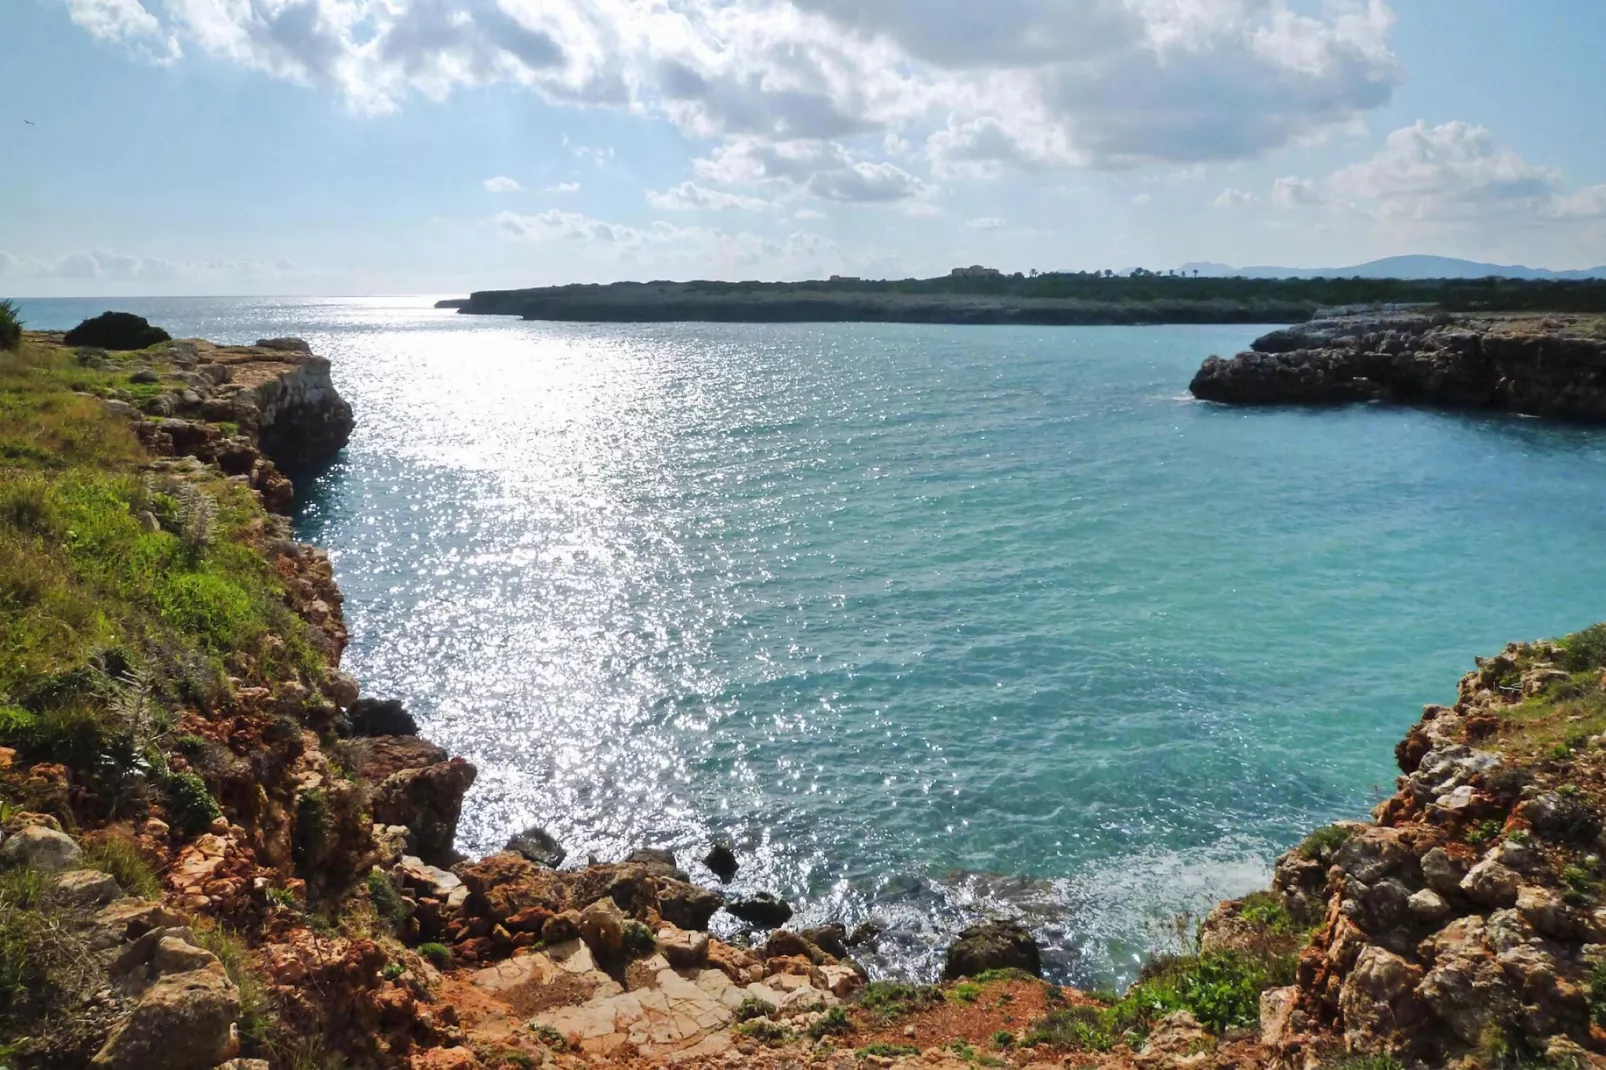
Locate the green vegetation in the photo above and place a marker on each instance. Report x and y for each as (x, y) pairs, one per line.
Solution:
(1324, 841)
(1052, 297)
(257, 1018)
(638, 941)
(765, 1031)
(393, 970)
(1220, 988)
(388, 902)
(886, 1000)
(1597, 994)
(966, 992)
(549, 1036)
(1009, 973)
(190, 805)
(1265, 909)
(834, 1022)
(883, 1050)
(752, 1007)
(1004, 1039)
(10, 326)
(122, 858)
(438, 954)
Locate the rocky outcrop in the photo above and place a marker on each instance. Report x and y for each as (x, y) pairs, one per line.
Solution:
(992, 945)
(1538, 365)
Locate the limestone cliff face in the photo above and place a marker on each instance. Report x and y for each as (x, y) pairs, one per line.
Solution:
(1540, 365)
(287, 397)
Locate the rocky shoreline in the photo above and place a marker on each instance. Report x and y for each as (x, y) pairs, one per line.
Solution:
(271, 881)
(1540, 365)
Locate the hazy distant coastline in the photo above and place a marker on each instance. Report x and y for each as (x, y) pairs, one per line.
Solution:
(1058, 298)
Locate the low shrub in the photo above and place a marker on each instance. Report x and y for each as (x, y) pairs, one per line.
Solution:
(638, 941)
(190, 806)
(885, 1000)
(387, 900)
(10, 326)
(1324, 841)
(752, 1007)
(834, 1022)
(881, 1050)
(765, 1031)
(439, 955)
(116, 330)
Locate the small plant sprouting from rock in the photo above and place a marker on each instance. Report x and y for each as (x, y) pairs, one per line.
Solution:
(1324, 841)
(834, 1022)
(752, 1007)
(393, 970)
(765, 1031)
(549, 1036)
(638, 941)
(388, 902)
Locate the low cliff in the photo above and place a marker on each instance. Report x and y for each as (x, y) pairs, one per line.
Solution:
(1549, 365)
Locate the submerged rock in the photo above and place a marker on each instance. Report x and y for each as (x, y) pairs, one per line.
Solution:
(537, 845)
(721, 861)
(764, 910)
(992, 945)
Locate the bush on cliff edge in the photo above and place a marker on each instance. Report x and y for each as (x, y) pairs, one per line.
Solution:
(117, 330)
(10, 327)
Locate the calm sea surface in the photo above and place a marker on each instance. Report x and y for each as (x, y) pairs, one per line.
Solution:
(929, 621)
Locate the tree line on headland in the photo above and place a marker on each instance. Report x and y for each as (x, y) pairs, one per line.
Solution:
(1046, 298)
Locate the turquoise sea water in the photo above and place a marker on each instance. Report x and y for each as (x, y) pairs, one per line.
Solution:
(928, 620)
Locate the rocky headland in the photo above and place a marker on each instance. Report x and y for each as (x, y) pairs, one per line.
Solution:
(1541, 365)
(216, 851)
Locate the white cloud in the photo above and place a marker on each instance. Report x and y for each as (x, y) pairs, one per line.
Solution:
(986, 222)
(1142, 200)
(1291, 192)
(1018, 83)
(867, 183)
(501, 184)
(564, 187)
(1455, 173)
(822, 169)
(664, 249)
(1234, 198)
(690, 197)
(113, 267)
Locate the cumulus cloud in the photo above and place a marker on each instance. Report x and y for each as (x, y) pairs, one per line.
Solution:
(1456, 172)
(1291, 192)
(113, 267)
(690, 197)
(665, 248)
(1016, 83)
(1234, 198)
(501, 184)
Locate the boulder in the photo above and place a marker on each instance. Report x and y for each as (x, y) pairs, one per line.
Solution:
(185, 1021)
(380, 717)
(658, 862)
(1441, 872)
(1427, 907)
(1377, 1001)
(429, 801)
(537, 845)
(686, 905)
(507, 886)
(683, 949)
(86, 888)
(992, 945)
(41, 848)
(763, 910)
(721, 861)
(374, 758)
(831, 939)
(116, 330)
(1491, 884)
(602, 927)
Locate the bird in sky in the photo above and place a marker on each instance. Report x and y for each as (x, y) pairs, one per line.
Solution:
(30, 122)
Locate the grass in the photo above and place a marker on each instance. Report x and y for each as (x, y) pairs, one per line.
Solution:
(44, 963)
(886, 1000)
(121, 857)
(882, 1050)
(257, 1019)
(1220, 988)
(185, 605)
(966, 992)
(1324, 841)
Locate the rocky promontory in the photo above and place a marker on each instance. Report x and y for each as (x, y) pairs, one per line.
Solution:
(216, 852)
(1542, 365)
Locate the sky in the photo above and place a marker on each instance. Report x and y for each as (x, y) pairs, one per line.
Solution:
(161, 147)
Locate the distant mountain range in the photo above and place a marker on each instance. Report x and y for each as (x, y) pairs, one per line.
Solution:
(1398, 267)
